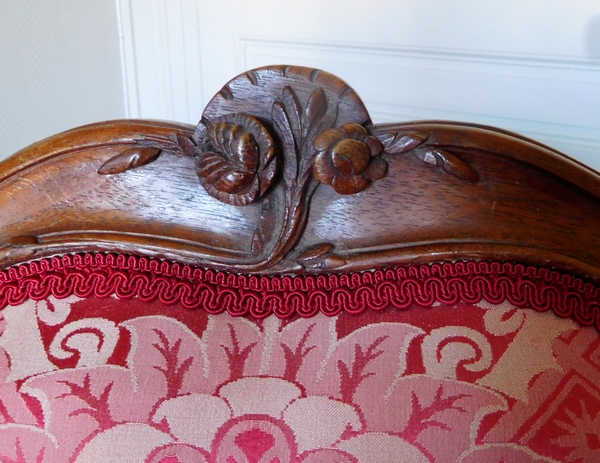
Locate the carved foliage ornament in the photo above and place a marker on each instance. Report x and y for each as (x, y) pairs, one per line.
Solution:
(303, 126)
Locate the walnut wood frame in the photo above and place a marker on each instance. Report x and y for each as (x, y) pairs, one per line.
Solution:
(285, 173)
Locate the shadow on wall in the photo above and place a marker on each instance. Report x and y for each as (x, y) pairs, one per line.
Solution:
(592, 37)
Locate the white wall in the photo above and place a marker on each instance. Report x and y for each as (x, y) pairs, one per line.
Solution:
(60, 67)
(532, 66)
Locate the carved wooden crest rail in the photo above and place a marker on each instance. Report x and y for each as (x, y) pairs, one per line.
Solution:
(286, 173)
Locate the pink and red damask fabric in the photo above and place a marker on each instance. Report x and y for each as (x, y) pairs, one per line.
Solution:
(106, 378)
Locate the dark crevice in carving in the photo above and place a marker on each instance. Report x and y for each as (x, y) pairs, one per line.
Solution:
(314, 74)
(227, 93)
(252, 77)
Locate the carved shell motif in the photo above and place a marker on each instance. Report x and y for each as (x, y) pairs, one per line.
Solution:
(240, 162)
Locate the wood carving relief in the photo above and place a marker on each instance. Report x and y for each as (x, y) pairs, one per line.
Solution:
(293, 126)
(148, 149)
(238, 160)
(431, 155)
(299, 110)
(348, 158)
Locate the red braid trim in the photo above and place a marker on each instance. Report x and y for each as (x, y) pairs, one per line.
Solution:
(127, 277)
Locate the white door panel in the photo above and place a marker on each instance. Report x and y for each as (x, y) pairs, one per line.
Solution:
(529, 66)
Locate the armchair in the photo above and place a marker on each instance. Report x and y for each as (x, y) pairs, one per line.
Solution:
(287, 282)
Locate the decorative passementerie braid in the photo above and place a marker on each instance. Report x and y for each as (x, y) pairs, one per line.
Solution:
(126, 276)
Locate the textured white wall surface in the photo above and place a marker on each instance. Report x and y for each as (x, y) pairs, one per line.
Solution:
(531, 66)
(60, 67)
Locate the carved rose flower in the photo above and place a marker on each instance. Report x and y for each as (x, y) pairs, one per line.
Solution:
(348, 159)
(242, 163)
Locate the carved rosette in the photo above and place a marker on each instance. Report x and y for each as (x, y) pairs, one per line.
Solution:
(288, 123)
(282, 131)
(305, 127)
(240, 162)
(348, 159)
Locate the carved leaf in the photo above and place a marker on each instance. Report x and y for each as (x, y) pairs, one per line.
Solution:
(456, 166)
(315, 252)
(307, 160)
(293, 111)
(128, 159)
(188, 146)
(452, 164)
(427, 156)
(387, 138)
(398, 144)
(316, 108)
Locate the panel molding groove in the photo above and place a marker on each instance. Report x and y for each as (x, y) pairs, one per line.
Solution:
(160, 47)
(523, 59)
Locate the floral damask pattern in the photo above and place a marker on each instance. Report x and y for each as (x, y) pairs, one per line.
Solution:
(126, 381)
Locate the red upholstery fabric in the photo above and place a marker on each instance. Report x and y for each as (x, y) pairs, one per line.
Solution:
(104, 359)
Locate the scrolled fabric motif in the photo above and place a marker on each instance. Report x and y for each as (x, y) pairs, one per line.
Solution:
(348, 158)
(345, 389)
